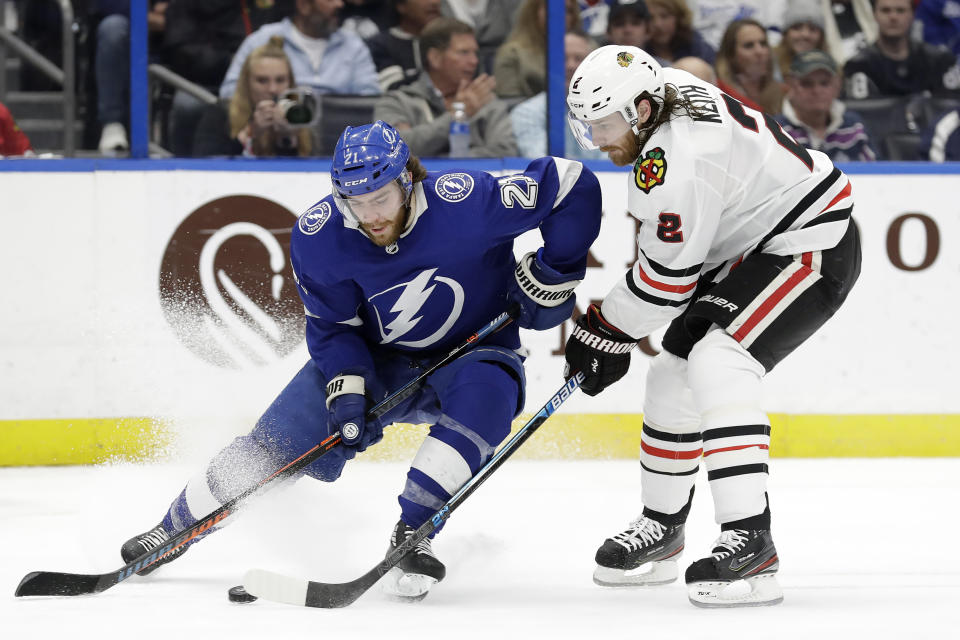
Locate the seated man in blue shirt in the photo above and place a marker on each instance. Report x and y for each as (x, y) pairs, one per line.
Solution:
(325, 58)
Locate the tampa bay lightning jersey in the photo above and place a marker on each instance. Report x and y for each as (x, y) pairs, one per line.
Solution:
(449, 272)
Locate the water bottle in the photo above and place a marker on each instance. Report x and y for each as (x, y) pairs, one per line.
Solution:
(459, 132)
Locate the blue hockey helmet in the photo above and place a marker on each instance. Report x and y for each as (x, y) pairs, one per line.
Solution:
(369, 157)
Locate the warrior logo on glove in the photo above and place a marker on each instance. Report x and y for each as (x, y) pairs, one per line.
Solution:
(599, 350)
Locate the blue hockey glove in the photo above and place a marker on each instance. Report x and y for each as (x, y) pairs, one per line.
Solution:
(346, 412)
(545, 296)
(599, 350)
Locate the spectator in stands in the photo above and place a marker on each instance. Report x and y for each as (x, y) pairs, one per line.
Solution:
(896, 65)
(13, 141)
(672, 35)
(529, 118)
(941, 142)
(325, 58)
(941, 23)
(521, 63)
(112, 67)
(422, 110)
(698, 67)
(254, 125)
(491, 20)
(802, 31)
(849, 26)
(628, 24)
(396, 51)
(200, 40)
(813, 115)
(745, 67)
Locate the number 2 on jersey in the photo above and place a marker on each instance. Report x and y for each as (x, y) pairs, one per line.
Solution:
(735, 107)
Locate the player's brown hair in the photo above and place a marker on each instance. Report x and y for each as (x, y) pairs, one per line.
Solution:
(673, 105)
(415, 167)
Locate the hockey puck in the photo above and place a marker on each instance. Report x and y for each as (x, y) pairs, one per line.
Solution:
(239, 594)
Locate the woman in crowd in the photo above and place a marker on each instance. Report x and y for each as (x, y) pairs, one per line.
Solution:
(520, 67)
(803, 30)
(254, 124)
(745, 67)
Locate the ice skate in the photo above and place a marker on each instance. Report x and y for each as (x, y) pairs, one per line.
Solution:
(148, 541)
(742, 572)
(643, 555)
(417, 572)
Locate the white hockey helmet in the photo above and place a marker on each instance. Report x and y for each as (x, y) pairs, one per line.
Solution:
(609, 81)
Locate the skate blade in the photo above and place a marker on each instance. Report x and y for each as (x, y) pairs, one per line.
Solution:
(646, 575)
(758, 591)
(408, 587)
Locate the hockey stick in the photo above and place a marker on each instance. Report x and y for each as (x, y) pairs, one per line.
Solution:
(298, 591)
(53, 583)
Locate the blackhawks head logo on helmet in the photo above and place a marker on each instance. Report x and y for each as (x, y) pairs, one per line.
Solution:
(624, 58)
(651, 170)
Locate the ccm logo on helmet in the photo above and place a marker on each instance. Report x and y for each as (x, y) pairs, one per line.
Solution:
(353, 183)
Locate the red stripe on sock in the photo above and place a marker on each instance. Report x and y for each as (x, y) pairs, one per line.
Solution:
(743, 446)
(671, 455)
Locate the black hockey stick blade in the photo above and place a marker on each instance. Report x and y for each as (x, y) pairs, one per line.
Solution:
(55, 583)
(46, 583)
(300, 591)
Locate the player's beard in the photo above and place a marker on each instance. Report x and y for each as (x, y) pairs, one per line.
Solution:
(624, 151)
(393, 231)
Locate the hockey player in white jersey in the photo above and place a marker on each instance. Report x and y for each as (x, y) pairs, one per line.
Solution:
(746, 247)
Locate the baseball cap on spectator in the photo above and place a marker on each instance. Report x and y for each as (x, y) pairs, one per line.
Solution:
(810, 61)
(623, 9)
(803, 12)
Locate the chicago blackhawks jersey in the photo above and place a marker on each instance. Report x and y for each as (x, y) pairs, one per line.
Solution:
(710, 190)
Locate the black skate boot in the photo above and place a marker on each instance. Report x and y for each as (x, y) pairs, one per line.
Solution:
(645, 554)
(148, 541)
(419, 570)
(742, 572)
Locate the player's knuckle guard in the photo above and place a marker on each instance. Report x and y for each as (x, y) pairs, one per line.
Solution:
(599, 350)
(344, 384)
(544, 294)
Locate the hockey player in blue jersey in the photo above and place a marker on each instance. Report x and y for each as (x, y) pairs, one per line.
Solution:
(396, 268)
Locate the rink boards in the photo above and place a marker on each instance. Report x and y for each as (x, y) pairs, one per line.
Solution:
(149, 306)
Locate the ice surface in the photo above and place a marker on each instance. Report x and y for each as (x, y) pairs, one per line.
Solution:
(519, 555)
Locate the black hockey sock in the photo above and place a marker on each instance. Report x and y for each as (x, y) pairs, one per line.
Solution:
(671, 519)
(758, 522)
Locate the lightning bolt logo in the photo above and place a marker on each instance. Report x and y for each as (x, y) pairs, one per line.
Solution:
(408, 308)
(408, 305)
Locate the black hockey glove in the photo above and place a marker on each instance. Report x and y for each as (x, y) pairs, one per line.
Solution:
(599, 350)
(346, 412)
(545, 296)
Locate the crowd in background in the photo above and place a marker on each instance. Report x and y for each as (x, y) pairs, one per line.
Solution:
(859, 80)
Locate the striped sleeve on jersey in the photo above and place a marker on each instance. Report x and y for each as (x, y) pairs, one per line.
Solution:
(649, 296)
(654, 283)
